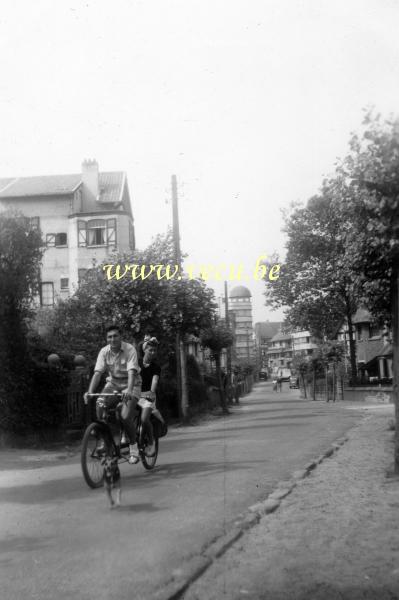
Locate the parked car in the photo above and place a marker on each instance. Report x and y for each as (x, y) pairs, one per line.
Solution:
(284, 374)
(294, 381)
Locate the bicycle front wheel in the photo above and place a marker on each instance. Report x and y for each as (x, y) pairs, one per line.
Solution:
(96, 444)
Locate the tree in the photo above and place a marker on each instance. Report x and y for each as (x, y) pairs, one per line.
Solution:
(371, 209)
(218, 337)
(361, 265)
(21, 250)
(315, 282)
(161, 305)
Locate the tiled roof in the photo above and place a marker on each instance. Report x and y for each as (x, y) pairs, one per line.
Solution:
(362, 315)
(110, 184)
(48, 185)
(368, 350)
(5, 181)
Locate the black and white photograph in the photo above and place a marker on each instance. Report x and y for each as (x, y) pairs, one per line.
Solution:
(199, 300)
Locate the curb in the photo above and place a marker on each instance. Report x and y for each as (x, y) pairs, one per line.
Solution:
(182, 578)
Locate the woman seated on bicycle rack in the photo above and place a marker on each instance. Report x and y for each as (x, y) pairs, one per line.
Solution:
(119, 360)
(149, 372)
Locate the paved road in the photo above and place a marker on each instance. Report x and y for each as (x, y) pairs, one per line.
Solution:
(58, 538)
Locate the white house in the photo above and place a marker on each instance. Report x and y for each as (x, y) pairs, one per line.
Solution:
(83, 218)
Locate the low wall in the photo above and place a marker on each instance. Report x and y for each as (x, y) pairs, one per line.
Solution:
(363, 394)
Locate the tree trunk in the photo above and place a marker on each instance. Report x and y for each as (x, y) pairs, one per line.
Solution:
(314, 384)
(334, 384)
(352, 344)
(219, 380)
(184, 385)
(304, 386)
(326, 381)
(395, 330)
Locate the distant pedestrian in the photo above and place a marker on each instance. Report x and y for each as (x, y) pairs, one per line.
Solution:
(279, 383)
(274, 385)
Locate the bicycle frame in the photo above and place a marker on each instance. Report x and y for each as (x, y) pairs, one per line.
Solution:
(106, 426)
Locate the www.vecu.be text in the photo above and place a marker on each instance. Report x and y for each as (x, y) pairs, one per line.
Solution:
(208, 272)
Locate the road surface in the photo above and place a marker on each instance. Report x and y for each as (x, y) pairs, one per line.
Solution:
(59, 539)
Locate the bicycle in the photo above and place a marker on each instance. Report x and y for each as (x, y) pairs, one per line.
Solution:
(99, 441)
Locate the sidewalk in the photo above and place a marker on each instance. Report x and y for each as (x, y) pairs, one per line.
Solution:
(336, 536)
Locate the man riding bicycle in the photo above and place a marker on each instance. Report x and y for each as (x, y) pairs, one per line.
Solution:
(119, 360)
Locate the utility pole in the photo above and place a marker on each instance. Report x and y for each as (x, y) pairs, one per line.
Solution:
(227, 318)
(181, 376)
(395, 343)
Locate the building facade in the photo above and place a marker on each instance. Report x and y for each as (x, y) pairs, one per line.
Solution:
(374, 352)
(303, 344)
(280, 351)
(284, 346)
(240, 305)
(264, 332)
(83, 219)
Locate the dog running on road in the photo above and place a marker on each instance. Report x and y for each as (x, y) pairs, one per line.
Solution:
(112, 479)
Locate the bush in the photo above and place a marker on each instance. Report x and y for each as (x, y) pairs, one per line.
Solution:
(37, 401)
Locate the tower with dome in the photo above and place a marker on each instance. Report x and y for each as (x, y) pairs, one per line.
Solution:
(240, 304)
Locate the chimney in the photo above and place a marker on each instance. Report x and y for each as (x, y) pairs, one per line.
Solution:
(90, 178)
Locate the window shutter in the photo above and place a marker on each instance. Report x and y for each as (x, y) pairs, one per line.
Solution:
(111, 232)
(82, 235)
(50, 240)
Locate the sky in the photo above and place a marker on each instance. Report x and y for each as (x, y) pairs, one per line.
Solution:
(248, 103)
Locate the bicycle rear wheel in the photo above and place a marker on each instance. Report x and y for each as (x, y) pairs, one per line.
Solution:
(148, 461)
(95, 437)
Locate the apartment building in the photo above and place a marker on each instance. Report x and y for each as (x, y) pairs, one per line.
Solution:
(279, 353)
(240, 305)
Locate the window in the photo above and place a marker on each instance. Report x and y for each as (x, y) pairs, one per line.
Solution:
(32, 223)
(47, 294)
(64, 283)
(83, 274)
(374, 330)
(56, 239)
(61, 239)
(97, 232)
